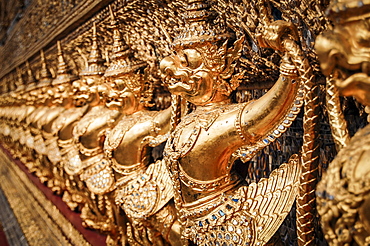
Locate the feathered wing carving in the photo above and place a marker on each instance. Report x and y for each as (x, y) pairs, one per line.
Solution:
(271, 199)
(251, 214)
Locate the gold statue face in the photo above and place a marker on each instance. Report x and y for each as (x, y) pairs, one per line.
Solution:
(203, 73)
(42, 94)
(121, 97)
(129, 102)
(59, 93)
(186, 75)
(112, 95)
(345, 53)
(32, 96)
(81, 93)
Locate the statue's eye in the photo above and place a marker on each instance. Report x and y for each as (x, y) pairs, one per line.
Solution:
(366, 23)
(362, 37)
(193, 58)
(183, 59)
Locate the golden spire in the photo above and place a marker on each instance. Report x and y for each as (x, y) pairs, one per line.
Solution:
(200, 26)
(19, 82)
(95, 64)
(31, 81)
(63, 72)
(30, 78)
(12, 82)
(62, 65)
(45, 75)
(6, 86)
(120, 48)
(122, 61)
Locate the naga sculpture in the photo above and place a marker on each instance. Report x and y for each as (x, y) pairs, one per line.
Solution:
(343, 193)
(215, 206)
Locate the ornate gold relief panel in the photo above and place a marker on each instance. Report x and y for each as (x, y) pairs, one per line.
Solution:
(247, 94)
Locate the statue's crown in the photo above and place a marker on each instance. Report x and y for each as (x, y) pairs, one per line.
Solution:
(122, 62)
(45, 75)
(19, 82)
(95, 63)
(63, 72)
(200, 25)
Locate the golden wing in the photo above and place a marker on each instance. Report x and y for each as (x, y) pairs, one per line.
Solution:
(249, 215)
(270, 200)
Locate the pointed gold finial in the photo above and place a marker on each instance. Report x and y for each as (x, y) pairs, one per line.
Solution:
(6, 86)
(45, 75)
(94, 29)
(30, 77)
(63, 72)
(113, 20)
(95, 64)
(122, 60)
(120, 48)
(62, 65)
(19, 82)
(31, 81)
(12, 82)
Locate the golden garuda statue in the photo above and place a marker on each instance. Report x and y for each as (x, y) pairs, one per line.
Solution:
(128, 149)
(195, 122)
(214, 204)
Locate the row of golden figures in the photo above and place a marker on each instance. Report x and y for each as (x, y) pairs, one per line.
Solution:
(91, 138)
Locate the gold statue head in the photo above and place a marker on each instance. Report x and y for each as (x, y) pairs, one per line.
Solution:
(95, 68)
(344, 52)
(344, 11)
(61, 89)
(40, 91)
(85, 90)
(124, 72)
(201, 70)
(17, 94)
(45, 75)
(24, 88)
(31, 81)
(13, 92)
(82, 93)
(4, 91)
(7, 89)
